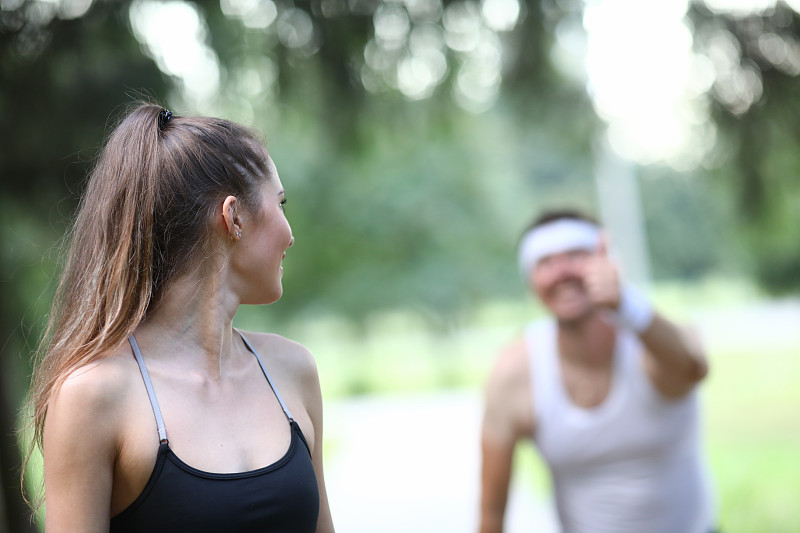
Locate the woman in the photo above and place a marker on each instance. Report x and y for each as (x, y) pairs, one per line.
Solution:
(152, 411)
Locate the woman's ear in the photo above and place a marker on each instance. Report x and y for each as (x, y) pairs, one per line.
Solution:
(232, 222)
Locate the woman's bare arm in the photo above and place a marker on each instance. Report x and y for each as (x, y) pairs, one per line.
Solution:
(80, 446)
(314, 399)
(297, 369)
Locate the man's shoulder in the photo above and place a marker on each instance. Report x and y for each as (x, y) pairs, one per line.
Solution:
(508, 392)
(511, 364)
(513, 359)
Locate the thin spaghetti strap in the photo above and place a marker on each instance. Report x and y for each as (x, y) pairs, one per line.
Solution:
(266, 374)
(162, 430)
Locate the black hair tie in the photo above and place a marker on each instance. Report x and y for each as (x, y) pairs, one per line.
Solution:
(163, 117)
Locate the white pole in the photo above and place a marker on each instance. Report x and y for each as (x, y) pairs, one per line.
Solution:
(621, 212)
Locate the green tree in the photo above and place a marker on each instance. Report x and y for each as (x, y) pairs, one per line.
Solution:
(756, 60)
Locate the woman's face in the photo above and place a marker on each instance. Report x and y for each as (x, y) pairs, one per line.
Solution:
(266, 236)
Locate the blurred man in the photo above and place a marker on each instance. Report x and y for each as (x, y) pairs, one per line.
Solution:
(607, 389)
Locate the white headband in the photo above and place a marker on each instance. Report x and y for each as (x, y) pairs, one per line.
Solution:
(556, 237)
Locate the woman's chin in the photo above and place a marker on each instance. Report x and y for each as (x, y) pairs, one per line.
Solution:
(263, 299)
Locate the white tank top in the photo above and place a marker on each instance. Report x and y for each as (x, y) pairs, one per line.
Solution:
(632, 464)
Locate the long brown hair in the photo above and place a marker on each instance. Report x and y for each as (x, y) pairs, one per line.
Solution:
(144, 219)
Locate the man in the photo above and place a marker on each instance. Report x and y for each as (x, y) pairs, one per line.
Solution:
(606, 388)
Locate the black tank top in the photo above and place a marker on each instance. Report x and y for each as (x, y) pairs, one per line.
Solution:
(280, 498)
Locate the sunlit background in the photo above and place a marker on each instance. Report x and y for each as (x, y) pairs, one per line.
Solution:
(416, 138)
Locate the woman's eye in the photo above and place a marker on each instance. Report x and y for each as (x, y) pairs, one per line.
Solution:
(283, 204)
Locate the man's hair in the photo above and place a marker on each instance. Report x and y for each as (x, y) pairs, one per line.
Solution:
(558, 214)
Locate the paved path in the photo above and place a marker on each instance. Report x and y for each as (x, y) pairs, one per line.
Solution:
(753, 327)
(411, 464)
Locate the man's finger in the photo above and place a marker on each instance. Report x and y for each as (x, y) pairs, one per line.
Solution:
(602, 245)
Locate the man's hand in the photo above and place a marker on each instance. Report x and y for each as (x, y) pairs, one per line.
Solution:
(601, 278)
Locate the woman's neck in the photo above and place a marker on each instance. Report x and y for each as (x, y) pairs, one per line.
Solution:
(192, 322)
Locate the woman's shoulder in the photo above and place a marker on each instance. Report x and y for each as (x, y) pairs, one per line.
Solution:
(291, 365)
(99, 390)
(277, 350)
(102, 383)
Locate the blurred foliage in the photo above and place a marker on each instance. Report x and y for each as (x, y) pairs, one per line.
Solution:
(690, 223)
(755, 106)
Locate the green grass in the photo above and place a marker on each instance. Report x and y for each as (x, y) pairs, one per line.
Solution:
(753, 433)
